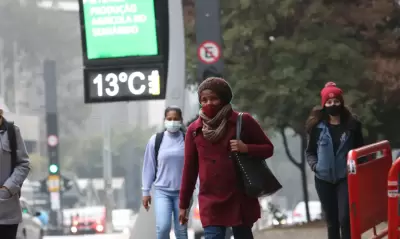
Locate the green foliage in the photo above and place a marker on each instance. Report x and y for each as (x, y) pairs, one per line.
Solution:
(281, 57)
(279, 54)
(190, 46)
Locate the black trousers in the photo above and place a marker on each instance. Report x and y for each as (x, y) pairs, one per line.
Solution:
(335, 203)
(8, 231)
(219, 232)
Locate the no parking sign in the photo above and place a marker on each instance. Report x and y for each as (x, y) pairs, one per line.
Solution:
(209, 52)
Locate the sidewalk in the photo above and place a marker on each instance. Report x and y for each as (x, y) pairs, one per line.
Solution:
(312, 231)
(317, 231)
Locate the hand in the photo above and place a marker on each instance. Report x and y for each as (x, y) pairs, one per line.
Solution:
(183, 219)
(238, 146)
(146, 202)
(4, 193)
(314, 168)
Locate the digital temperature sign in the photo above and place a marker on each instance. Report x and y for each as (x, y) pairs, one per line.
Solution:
(119, 28)
(123, 84)
(125, 49)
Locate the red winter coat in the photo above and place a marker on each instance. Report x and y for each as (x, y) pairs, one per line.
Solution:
(221, 203)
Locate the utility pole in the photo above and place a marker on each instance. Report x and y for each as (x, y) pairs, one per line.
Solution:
(209, 41)
(145, 224)
(107, 170)
(54, 177)
(176, 63)
(208, 37)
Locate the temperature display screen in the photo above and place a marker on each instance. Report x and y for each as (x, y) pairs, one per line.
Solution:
(124, 84)
(119, 28)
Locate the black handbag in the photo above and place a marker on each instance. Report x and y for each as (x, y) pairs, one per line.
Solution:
(255, 176)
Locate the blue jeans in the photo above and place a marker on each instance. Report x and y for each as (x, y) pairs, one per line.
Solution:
(218, 232)
(166, 205)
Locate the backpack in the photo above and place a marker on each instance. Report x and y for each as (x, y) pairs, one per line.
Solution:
(12, 139)
(159, 138)
(13, 144)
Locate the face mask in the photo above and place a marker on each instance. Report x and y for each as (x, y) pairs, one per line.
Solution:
(172, 126)
(210, 110)
(334, 110)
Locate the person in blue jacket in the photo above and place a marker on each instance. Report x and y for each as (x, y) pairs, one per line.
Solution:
(333, 131)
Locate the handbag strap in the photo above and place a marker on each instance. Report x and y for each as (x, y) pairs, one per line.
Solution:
(239, 125)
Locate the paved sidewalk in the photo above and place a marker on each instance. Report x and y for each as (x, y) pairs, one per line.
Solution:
(317, 231)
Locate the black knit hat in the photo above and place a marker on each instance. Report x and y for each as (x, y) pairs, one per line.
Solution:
(219, 86)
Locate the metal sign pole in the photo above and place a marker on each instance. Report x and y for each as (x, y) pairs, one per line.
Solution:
(107, 170)
(50, 79)
(176, 78)
(209, 40)
(208, 37)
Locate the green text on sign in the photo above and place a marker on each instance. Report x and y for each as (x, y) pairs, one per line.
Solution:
(120, 28)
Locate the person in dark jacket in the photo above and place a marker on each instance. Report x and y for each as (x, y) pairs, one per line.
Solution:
(333, 132)
(209, 142)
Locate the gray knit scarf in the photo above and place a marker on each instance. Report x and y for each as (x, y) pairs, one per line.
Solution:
(214, 129)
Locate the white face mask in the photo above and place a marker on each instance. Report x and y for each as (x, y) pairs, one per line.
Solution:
(172, 126)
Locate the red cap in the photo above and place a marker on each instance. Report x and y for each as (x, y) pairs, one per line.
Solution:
(331, 91)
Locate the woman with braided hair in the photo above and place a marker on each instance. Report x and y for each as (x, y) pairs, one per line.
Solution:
(209, 142)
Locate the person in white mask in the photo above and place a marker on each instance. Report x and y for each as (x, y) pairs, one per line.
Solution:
(162, 168)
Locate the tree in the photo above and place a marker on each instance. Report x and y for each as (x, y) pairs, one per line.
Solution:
(190, 41)
(281, 57)
(373, 26)
(376, 26)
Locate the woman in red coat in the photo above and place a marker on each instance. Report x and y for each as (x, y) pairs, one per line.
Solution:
(208, 145)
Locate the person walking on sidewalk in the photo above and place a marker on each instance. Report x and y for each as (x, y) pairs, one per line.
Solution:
(333, 131)
(162, 167)
(209, 144)
(14, 169)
